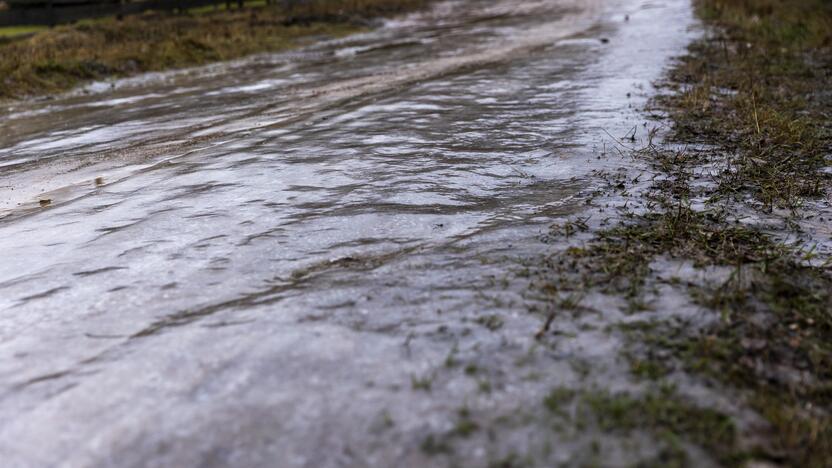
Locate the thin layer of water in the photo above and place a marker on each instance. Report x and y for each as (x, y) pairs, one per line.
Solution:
(315, 258)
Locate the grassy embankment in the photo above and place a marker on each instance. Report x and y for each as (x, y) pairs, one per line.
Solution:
(62, 57)
(750, 104)
(18, 31)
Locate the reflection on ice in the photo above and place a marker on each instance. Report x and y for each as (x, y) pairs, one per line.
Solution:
(282, 246)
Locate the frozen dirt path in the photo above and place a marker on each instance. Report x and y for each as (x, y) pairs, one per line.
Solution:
(315, 258)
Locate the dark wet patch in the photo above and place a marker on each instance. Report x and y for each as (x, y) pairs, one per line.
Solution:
(42, 295)
(227, 323)
(99, 271)
(43, 378)
(100, 336)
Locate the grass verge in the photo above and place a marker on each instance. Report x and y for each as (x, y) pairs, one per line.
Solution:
(65, 56)
(750, 108)
(17, 31)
